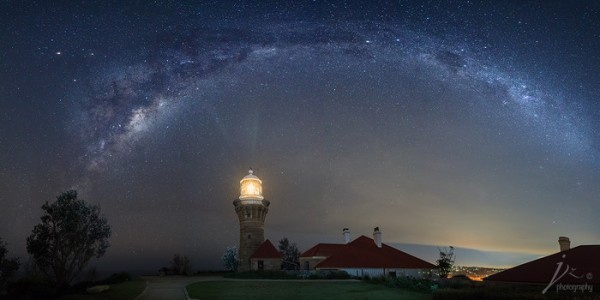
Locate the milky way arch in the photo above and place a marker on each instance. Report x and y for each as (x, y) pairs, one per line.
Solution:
(126, 102)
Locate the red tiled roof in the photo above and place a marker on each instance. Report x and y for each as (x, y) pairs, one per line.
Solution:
(584, 259)
(266, 250)
(322, 250)
(364, 253)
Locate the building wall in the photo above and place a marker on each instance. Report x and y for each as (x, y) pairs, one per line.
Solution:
(269, 264)
(312, 262)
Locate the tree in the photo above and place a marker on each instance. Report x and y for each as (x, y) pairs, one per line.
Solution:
(290, 253)
(71, 233)
(230, 259)
(445, 262)
(181, 265)
(8, 267)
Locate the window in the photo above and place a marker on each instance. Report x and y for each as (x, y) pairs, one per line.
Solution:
(261, 265)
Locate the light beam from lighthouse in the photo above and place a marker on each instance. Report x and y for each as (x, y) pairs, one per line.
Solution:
(251, 209)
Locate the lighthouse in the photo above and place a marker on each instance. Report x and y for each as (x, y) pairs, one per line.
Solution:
(251, 209)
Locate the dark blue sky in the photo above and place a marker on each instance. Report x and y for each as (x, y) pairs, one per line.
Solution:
(465, 123)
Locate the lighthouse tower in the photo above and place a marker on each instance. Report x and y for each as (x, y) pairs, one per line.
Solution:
(251, 208)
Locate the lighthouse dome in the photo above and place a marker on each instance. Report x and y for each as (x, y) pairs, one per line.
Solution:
(251, 188)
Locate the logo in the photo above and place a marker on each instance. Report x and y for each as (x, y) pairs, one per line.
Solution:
(571, 272)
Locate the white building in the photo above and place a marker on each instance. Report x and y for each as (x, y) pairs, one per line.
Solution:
(364, 256)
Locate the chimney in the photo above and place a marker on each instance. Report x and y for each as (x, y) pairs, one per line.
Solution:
(564, 242)
(346, 232)
(377, 236)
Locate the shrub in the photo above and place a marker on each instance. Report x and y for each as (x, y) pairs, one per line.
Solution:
(511, 292)
(82, 285)
(456, 282)
(375, 279)
(261, 275)
(410, 283)
(116, 278)
(415, 284)
(332, 274)
(30, 288)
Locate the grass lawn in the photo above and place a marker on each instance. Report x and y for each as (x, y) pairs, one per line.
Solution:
(121, 291)
(290, 290)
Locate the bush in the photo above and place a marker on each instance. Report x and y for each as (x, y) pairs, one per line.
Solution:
(333, 274)
(415, 284)
(82, 285)
(261, 275)
(116, 278)
(456, 282)
(410, 283)
(30, 288)
(375, 279)
(509, 292)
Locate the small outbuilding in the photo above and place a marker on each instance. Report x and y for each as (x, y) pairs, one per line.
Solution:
(266, 257)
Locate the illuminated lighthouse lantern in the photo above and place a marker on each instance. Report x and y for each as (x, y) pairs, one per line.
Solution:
(251, 188)
(251, 209)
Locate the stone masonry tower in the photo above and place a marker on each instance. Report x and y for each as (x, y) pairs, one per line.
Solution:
(251, 209)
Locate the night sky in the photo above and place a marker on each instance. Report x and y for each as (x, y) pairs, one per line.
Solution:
(465, 123)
